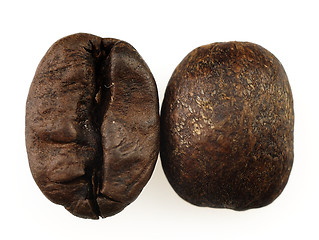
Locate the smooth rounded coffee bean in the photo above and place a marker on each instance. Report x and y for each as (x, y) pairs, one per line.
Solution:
(227, 125)
(92, 125)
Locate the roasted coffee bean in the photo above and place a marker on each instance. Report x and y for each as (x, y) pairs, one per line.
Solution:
(92, 125)
(227, 125)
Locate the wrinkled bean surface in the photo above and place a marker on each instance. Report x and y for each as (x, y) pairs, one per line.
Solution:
(92, 125)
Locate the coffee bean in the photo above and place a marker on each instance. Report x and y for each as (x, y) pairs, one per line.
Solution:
(227, 125)
(92, 125)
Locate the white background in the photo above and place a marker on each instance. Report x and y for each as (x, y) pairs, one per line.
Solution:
(163, 32)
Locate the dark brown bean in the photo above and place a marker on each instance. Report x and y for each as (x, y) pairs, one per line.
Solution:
(92, 125)
(227, 125)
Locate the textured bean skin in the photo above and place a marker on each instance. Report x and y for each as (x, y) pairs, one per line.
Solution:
(92, 125)
(227, 125)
